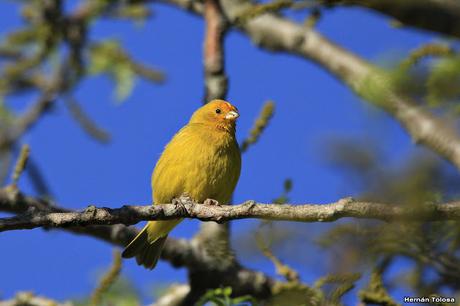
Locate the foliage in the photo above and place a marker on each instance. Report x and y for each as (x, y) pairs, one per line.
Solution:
(121, 293)
(431, 74)
(111, 289)
(223, 297)
(432, 247)
(107, 57)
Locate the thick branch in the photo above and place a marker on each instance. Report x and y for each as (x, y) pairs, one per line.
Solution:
(442, 16)
(216, 81)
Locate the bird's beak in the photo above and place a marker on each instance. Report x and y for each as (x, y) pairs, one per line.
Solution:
(232, 115)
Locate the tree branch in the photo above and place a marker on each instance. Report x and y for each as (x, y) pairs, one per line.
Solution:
(179, 252)
(174, 296)
(29, 299)
(216, 81)
(442, 16)
(23, 124)
(186, 208)
(373, 84)
(212, 239)
(35, 213)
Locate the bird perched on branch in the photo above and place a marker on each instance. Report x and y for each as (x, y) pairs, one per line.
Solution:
(203, 161)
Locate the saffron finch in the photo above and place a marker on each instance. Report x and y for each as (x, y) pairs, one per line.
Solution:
(202, 160)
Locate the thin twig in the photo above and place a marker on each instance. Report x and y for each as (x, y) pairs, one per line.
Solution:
(107, 280)
(27, 120)
(20, 164)
(259, 126)
(85, 122)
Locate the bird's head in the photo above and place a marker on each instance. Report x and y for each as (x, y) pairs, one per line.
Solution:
(217, 113)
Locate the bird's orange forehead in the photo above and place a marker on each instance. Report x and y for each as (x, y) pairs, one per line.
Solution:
(224, 105)
(216, 111)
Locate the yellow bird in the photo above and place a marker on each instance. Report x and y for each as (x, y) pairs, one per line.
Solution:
(202, 160)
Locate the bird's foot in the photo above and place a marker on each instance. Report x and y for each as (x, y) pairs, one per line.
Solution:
(211, 202)
(180, 203)
(175, 201)
(183, 198)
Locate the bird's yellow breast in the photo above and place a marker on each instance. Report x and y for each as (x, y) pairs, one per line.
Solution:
(200, 161)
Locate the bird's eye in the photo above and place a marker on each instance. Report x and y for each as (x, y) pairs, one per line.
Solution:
(218, 111)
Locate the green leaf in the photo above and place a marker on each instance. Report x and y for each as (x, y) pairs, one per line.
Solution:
(444, 81)
(222, 297)
(124, 78)
(287, 185)
(108, 57)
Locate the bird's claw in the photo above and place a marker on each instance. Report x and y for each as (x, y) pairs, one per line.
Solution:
(183, 198)
(175, 201)
(179, 203)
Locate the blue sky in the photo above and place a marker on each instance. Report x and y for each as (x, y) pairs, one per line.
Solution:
(310, 107)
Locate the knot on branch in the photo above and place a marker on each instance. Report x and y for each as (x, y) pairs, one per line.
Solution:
(346, 201)
(249, 205)
(91, 210)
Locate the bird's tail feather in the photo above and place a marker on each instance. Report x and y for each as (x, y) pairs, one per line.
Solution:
(146, 250)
